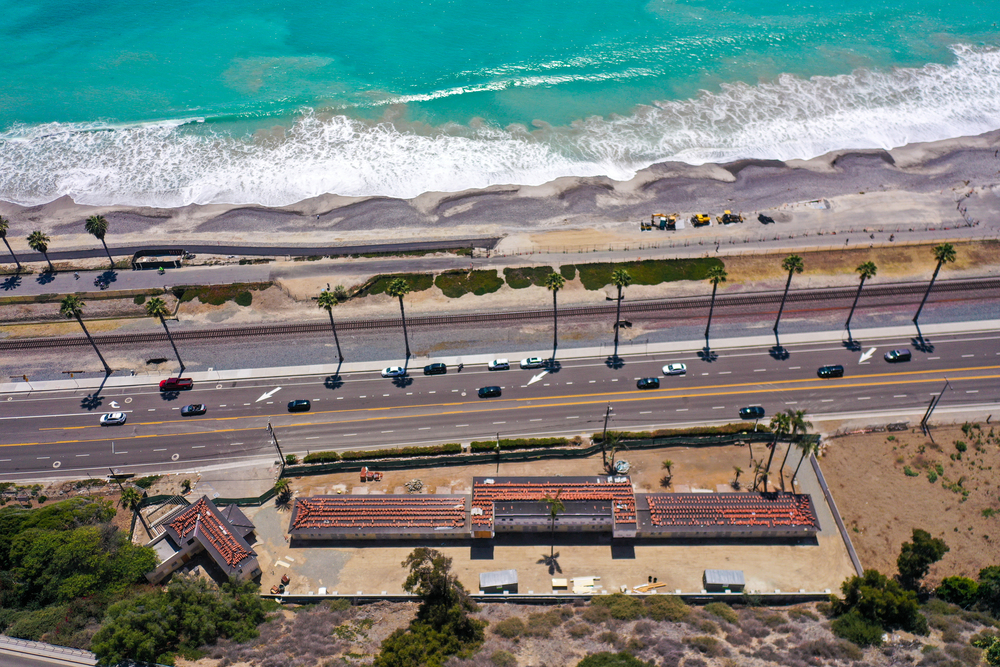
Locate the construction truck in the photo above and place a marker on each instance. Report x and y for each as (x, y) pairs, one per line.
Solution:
(729, 217)
(370, 475)
(701, 219)
(664, 221)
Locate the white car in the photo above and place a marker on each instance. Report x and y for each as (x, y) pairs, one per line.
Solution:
(393, 372)
(532, 362)
(675, 369)
(113, 419)
(498, 365)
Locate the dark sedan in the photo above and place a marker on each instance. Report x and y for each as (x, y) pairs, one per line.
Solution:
(648, 383)
(299, 406)
(193, 410)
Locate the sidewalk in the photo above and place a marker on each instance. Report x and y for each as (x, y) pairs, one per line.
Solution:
(600, 352)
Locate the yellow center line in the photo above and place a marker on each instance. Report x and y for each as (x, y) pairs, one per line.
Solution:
(562, 401)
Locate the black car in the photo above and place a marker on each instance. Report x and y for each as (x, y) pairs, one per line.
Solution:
(435, 369)
(752, 412)
(193, 410)
(299, 406)
(892, 356)
(648, 383)
(834, 371)
(489, 392)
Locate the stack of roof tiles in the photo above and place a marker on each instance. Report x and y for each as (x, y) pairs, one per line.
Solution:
(203, 520)
(743, 510)
(402, 512)
(485, 494)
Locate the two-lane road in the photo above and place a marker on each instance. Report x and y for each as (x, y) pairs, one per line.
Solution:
(58, 432)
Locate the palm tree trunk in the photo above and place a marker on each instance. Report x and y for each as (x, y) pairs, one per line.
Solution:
(855, 305)
(406, 338)
(788, 450)
(767, 469)
(52, 268)
(107, 369)
(711, 308)
(171, 339)
(552, 552)
(335, 339)
(110, 259)
(927, 293)
(784, 296)
(16, 261)
(555, 324)
(796, 474)
(618, 317)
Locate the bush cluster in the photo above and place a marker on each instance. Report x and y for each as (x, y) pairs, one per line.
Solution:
(454, 284)
(518, 443)
(526, 276)
(725, 429)
(374, 454)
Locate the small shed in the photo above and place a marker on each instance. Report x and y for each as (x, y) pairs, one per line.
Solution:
(502, 581)
(717, 581)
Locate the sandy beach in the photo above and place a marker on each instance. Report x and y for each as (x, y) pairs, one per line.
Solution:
(944, 184)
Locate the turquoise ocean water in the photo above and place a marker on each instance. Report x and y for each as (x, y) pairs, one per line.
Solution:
(165, 104)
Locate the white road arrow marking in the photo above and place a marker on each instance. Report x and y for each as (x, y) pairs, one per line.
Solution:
(268, 394)
(114, 405)
(538, 377)
(867, 355)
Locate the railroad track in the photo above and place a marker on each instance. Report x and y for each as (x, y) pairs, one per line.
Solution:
(664, 306)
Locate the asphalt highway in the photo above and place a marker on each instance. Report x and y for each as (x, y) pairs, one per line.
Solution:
(58, 433)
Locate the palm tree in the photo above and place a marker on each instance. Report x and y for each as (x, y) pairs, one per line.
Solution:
(554, 281)
(156, 307)
(72, 306)
(131, 500)
(736, 480)
(328, 300)
(283, 487)
(716, 275)
(780, 425)
(798, 426)
(98, 226)
(866, 271)
(39, 242)
(808, 447)
(792, 264)
(4, 226)
(555, 507)
(942, 253)
(399, 288)
(621, 279)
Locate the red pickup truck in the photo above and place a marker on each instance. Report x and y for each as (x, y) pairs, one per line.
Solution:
(176, 384)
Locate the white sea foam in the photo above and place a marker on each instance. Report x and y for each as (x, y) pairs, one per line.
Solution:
(166, 164)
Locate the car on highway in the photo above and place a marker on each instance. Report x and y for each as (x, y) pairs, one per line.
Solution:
(752, 412)
(193, 410)
(113, 419)
(498, 365)
(675, 369)
(532, 362)
(831, 371)
(489, 392)
(435, 369)
(893, 356)
(176, 384)
(648, 383)
(299, 405)
(393, 372)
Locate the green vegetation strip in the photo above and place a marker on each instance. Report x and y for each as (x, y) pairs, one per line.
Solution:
(216, 295)
(646, 272)
(459, 283)
(520, 443)
(418, 283)
(725, 429)
(526, 276)
(396, 453)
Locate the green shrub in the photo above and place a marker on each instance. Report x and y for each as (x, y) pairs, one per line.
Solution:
(42, 499)
(606, 659)
(725, 429)
(244, 299)
(666, 608)
(525, 276)
(454, 284)
(801, 615)
(147, 482)
(542, 624)
(32, 625)
(932, 476)
(596, 614)
(510, 628)
(402, 452)
(961, 446)
(709, 646)
(503, 659)
(723, 611)
(579, 630)
(291, 459)
(647, 272)
(517, 443)
(321, 457)
(881, 602)
(958, 590)
(622, 607)
(853, 627)
(216, 295)
(139, 299)
(910, 472)
(568, 272)
(418, 283)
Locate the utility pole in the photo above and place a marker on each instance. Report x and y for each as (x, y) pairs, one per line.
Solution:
(274, 439)
(604, 436)
(498, 454)
(930, 408)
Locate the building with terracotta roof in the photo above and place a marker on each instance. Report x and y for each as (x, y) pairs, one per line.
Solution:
(204, 527)
(379, 516)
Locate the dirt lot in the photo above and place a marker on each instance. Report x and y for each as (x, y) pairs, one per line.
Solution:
(883, 504)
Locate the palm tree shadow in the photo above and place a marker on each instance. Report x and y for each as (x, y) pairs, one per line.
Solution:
(778, 352)
(921, 343)
(45, 277)
(402, 381)
(852, 344)
(11, 283)
(109, 276)
(170, 395)
(614, 362)
(707, 354)
(551, 562)
(333, 381)
(552, 366)
(93, 401)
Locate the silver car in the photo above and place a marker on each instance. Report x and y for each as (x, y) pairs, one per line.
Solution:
(113, 419)
(675, 369)
(532, 362)
(393, 372)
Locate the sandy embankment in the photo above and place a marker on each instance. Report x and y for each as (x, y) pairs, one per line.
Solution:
(916, 185)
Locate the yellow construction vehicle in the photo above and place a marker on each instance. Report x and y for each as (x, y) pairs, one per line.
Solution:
(664, 221)
(729, 217)
(701, 219)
